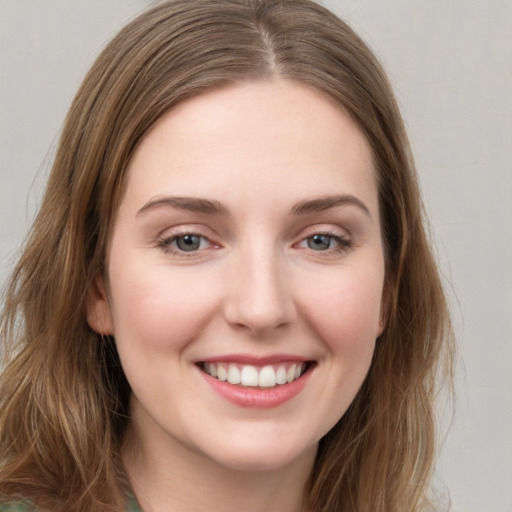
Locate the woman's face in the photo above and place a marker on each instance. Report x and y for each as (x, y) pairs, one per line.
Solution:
(245, 275)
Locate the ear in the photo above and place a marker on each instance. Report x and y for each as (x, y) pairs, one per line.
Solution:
(384, 312)
(382, 323)
(99, 315)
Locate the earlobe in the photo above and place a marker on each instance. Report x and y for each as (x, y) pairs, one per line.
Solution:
(383, 316)
(381, 325)
(99, 315)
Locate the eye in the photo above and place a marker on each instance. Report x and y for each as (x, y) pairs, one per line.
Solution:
(187, 242)
(320, 242)
(324, 242)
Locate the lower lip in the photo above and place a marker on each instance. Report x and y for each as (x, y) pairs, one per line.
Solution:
(257, 397)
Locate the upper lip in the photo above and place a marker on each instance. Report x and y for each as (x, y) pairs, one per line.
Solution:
(255, 360)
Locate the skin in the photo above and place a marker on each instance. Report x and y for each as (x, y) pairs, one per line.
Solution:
(256, 284)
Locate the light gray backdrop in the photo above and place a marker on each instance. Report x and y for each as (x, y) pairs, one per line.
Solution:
(451, 64)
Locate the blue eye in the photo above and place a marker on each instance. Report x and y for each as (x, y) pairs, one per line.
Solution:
(188, 243)
(323, 242)
(319, 242)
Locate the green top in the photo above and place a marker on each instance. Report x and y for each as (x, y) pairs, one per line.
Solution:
(25, 506)
(18, 506)
(132, 505)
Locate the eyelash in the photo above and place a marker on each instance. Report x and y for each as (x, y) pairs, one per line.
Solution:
(343, 244)
(166, 244)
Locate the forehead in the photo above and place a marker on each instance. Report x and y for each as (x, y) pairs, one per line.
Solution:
(249, 135)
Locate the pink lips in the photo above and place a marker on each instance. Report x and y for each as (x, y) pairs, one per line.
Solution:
(256, 360)
(256, 396)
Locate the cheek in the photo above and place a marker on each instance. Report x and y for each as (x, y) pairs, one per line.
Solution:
(346, 313)
(344, 317)
(156, 308)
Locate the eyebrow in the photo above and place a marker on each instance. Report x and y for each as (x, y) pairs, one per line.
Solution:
(212, 207)
(325, 203)
(193, 204)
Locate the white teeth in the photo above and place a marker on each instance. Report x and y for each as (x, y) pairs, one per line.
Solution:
(222, 374)
(267, 377)
(233, 374)
(281, 375)
(290, 374)
(249, 375)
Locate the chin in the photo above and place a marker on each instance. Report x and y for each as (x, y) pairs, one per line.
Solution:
(258, 457)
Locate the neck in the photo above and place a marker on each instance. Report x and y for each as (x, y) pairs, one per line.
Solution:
(172, 477)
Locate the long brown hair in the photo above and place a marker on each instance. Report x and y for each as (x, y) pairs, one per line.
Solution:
(63, 395)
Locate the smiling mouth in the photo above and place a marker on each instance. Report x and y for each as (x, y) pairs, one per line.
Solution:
(264, 377)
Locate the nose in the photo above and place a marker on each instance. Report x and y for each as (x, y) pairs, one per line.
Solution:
(259, 298)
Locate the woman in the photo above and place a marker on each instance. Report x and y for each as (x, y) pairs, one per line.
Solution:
(227, 298)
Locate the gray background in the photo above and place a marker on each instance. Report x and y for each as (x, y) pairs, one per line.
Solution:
(451, 64)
